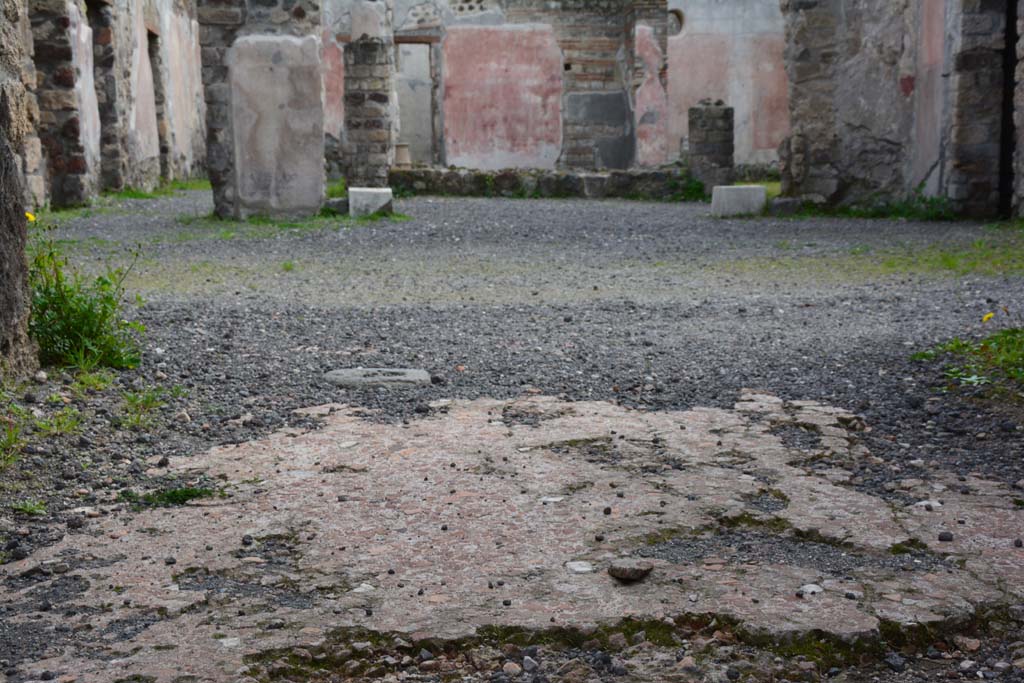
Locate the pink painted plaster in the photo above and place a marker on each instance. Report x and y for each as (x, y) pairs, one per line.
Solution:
(770, 116)
(651, 102)
(699, 68)
(503, 97)
(334, 85)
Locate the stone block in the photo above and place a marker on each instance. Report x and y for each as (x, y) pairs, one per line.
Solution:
(278, 116)
(351, 378)
(364, 201)
(738, 200)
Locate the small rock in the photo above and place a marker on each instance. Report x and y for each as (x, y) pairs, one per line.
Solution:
(629, 569)
(946, 536)
(41, 377)
(618, 667)
(512, 669)
(967, 644)
(967, 665)
(425, 655)
(687, 662)
(170, 561)
(811, 589)
(1019, 543)
(895, 662)
(618, 641)
(529, 664)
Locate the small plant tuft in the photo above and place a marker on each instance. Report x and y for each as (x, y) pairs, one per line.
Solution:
(337, 189)
(31, 508)
(78, 322)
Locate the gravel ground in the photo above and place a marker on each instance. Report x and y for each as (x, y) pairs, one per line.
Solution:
(652, 305)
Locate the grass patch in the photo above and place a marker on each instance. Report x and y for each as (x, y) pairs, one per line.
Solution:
(288, 266)
(139, 407)
(378, 216)
(65, 421)
(916, 207)
(995, 359)
(337, 189)
(31, 508)
(189, 184)
(10, 445)
(686, 188)
(772, 187)
(167, 498)
(909, 547)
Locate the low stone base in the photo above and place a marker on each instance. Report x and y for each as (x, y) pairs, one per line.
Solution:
(738, 200)
(365, 201)
(666, 184)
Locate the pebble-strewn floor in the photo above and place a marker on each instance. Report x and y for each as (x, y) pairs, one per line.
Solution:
(849, 517)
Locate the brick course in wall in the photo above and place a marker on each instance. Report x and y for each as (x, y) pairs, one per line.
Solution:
(369, 110)
(712, 131)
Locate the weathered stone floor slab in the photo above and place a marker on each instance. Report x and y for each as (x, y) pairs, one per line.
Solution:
(483, 513)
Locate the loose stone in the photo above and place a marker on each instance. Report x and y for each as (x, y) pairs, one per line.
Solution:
(628, 569)
(946, 536)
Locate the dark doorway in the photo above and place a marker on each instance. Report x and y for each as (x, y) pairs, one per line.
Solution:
(1008, 135)
(159, 98)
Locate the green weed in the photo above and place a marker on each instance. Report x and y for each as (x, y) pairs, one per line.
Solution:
(337, 189)
(78, 321)
(65, 421)
(32, 508)
(997, 358)
(10, 445)
(139, 407)
(288, 266)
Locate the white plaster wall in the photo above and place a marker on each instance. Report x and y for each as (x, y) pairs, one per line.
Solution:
(184, 104)
(732, 50)
(415, 101)
(85, 87)
(143, 134)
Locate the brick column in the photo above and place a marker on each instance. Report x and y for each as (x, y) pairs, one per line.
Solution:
(711, 143)
(219, 23)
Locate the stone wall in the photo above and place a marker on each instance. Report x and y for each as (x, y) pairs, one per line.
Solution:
(100, 72)
(69, 114)
(712, 148)
(17, 125)
(293, 27)
(532, 83)
(893, 97)
(17, 89)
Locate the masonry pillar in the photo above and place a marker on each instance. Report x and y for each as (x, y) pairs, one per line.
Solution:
(264, 106)
(70, 121)
(17, 120)
(712, 143)
(371, 110)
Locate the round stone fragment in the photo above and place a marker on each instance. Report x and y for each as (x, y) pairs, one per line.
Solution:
(630, 569)
(946, 536)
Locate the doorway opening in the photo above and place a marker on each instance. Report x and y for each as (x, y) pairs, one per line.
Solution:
(159, 99)
(415, 86)
(1007, 145)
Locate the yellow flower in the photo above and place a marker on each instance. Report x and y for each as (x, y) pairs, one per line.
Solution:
(30, 216)
(987, 317)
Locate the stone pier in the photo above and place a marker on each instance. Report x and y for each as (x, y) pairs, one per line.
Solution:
(711, 143)
(265, 114)
(371, 112)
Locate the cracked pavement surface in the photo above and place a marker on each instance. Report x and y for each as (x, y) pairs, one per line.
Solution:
(731, 401)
